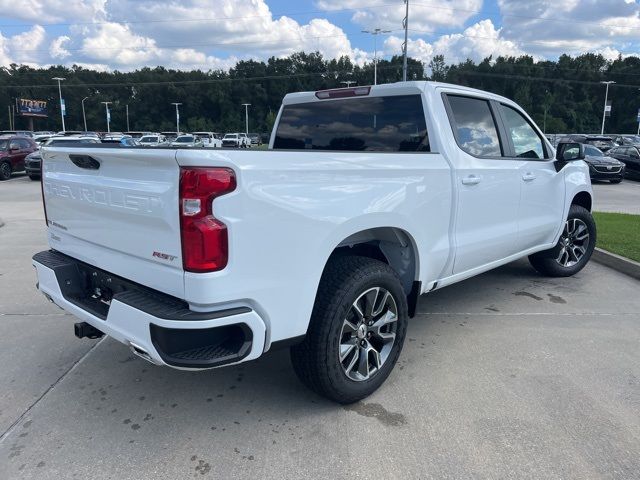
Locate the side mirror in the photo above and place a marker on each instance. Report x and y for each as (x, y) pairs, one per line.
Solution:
(569, 152)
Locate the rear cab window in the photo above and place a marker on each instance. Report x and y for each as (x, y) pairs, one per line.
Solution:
(474, 126)
(372, 124)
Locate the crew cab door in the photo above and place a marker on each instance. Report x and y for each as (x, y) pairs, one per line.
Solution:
(542, 188)
(486, 225)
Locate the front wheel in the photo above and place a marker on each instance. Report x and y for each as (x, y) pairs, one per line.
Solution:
(34, 177)
(617, 180)
(357, 330)
(573, 250)
(5, 171)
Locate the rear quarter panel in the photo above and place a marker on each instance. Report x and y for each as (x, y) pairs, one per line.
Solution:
(290, 211)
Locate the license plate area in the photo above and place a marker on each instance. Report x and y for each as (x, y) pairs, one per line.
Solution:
(89, 288)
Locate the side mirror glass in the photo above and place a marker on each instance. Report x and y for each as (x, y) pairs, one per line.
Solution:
(569, 152)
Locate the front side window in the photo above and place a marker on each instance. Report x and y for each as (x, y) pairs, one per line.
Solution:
(526, 142)
(476, 129)
(370, 124)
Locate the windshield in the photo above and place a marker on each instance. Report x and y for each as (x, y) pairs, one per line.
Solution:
(592, 151)
(149, 140)
(184, 139)
(231, 135)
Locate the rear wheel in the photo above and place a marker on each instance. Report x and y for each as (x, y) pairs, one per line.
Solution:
(5, 171)
(573, 250)
(356, 332)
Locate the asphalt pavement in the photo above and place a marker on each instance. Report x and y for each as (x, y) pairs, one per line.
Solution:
(622, 198)
(506, 375)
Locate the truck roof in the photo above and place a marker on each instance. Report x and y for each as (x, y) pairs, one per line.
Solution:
(398, 88)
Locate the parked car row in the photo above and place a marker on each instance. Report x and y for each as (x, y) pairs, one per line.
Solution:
(609, 158)
(20, 150)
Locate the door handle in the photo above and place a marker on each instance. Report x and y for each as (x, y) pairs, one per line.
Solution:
(528, 177)
(471, 180)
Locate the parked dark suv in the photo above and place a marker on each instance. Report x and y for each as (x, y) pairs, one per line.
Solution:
(630, 156)
(13, 150)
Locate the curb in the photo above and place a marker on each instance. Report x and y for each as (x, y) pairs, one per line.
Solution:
(621, 264)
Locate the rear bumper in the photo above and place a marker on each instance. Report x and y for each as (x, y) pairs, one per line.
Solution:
(156, 326)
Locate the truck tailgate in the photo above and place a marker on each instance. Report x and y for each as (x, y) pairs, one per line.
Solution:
(118, 210)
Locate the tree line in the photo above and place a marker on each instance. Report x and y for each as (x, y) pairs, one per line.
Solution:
(562, 96)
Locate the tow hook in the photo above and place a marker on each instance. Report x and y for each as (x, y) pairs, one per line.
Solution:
(85, 330)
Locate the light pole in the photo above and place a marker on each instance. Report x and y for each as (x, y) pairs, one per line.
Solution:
(127, 108)
(606, 97)
(62, 112)
(106, 110)
(638, 120)
(84, 116)
(405, 45)
(375, 32)
(177, 117)
(348, 82)
(246, 117)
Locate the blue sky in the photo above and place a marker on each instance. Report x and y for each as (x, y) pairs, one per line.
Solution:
(128, 34)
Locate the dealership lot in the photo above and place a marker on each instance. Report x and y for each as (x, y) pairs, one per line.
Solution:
(507, 375)
(622, 198)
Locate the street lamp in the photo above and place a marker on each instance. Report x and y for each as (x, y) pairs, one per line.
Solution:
(127, 108)
(62, 112)
(246, 117)
(177, 117)
(606, 97)
(106, 109)
(638, 120)
(348, 82)
(84, 116)
(375, 32)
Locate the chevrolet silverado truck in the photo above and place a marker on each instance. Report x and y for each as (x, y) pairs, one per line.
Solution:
(367, 198)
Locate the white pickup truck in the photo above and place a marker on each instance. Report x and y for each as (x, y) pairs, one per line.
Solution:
(368, 197)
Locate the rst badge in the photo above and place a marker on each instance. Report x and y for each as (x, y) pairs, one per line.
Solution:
(164, 256)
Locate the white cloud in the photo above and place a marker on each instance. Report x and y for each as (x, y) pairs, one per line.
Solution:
(244, 27)
(425, 16)
(42, 11)
(57, 50)
(476, 43)
(552, 28)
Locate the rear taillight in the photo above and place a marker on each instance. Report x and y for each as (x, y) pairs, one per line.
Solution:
(204, 238)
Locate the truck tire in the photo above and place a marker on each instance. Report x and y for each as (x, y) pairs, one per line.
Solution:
(356, 332)
(5, 171)
(574, 249)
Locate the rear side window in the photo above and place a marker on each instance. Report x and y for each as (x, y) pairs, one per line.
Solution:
(526, 142)
(377, 124)
(475, 126)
